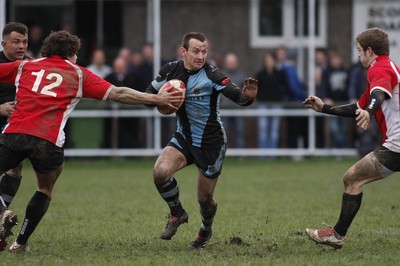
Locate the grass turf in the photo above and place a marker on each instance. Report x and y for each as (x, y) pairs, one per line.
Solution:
(108, 212)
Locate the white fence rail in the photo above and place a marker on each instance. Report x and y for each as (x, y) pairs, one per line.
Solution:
(153, 128)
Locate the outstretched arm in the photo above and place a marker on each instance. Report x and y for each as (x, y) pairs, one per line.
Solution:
(245, 96)
(131, 96)
(315, 103)
(350, 110)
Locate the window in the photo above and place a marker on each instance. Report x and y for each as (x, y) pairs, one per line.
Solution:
(277, 22)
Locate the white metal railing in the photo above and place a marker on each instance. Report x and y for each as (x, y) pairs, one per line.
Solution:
(154, 129)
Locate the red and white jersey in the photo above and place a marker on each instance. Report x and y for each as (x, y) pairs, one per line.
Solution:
(48, 89)
(384, 75)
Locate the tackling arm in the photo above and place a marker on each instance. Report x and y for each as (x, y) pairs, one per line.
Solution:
(131, 96)
(349, 110)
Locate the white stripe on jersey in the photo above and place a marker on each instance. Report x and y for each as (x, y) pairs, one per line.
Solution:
(391, 111)
(61, 135)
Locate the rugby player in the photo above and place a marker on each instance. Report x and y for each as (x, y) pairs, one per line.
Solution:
(49, 88)
(200, 137)
(15, 45)
(380, 100)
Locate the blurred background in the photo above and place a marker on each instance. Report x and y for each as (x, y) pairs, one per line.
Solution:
(126, 42)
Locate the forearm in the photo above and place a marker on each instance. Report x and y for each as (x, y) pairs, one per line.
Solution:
(375, 102)
(235, 94)
(347, 110)
(130, 96)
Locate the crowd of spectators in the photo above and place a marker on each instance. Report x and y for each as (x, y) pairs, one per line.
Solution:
(280, 87)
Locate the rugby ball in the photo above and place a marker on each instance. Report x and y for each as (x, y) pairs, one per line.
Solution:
(172, 85)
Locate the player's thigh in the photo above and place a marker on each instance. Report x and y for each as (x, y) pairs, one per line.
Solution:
(168, 162)
(10, 153)
(45, 157)
(372, 167)
(16, 171)
(209, 160)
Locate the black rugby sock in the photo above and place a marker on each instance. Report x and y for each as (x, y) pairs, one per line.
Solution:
(3, 205)
(350, 206)
(9, 186)
(170, 193)
(35, 211)
(207, 215)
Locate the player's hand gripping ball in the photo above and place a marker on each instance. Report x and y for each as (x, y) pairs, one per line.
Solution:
(172, 85)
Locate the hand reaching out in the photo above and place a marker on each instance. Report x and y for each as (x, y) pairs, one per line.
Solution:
(314, 102)
(250, 88)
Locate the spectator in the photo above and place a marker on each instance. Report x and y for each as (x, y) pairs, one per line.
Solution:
(271, 94)
(321, 63)
(233, 125)
(98, 65)
(297, 127)
(147, 76)
(334, 90)
(135, 68)
(136, 62)
(148, 63)
(121, 132)
(125, 53)
(35, 41)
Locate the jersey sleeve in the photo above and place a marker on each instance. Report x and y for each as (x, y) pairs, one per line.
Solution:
(363, 100)
(161, 78)
(8, 72)
(224, 84)
(95, 87)
(380, 78)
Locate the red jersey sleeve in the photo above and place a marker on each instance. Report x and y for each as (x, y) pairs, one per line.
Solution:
(8, 72)
(95, 87)
(380, 78)
(364, 100)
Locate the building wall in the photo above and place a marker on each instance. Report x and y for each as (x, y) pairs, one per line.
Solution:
(226, 24)
(340, 27)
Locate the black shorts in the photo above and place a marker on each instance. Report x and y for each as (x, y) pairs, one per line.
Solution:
(208, 160)
(388, 158)
(45, 157)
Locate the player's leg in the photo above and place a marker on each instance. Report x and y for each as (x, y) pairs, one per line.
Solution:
(8, 219)
(10, 183)
(10, 157)
(37, 208)
(209, 163)
(208, 209)
(366, 170)
(170, 161)
(47, 160)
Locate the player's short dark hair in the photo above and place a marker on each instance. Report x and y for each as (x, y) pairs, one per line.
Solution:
(14, 26)
(375, 38)
(192, 35)
(61, 43)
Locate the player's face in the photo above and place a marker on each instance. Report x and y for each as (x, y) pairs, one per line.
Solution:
(364, 55)
(15, 46)
(195, 56)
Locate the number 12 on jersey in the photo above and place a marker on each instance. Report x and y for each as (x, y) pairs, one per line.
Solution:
(47, 90)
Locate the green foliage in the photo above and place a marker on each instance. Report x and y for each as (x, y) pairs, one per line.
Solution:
(108, 212)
